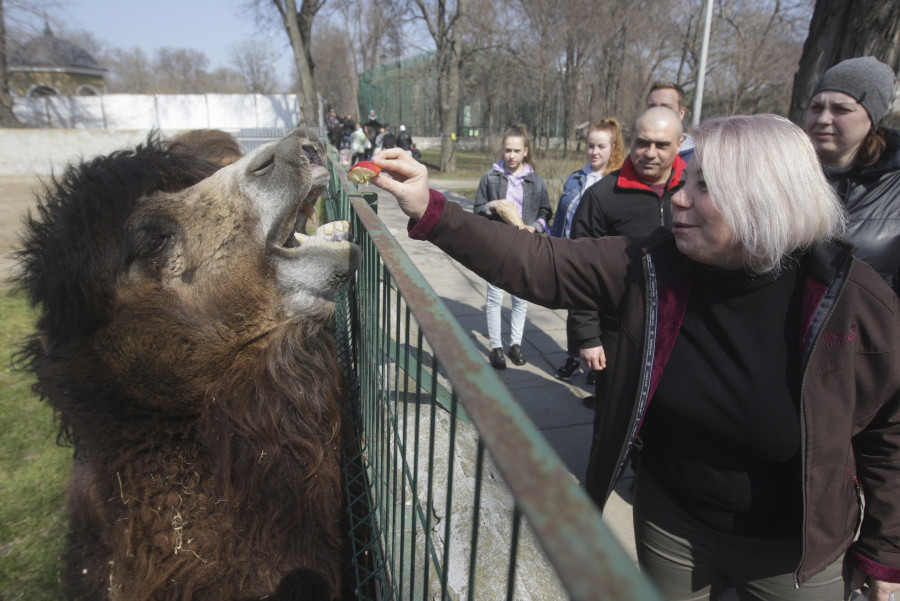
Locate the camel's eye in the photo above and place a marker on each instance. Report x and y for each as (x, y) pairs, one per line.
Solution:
(150, 240)
(156, 244)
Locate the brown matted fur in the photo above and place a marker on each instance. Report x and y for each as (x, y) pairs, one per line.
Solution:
(186, 353)
(214, 145)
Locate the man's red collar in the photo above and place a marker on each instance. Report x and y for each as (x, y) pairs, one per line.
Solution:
(628, 177)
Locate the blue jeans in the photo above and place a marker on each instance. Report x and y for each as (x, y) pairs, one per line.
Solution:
(493, 303)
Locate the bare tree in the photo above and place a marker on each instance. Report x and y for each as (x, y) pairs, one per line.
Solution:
(542, 17)
(254, 62)
(583, 22)
(298, 25)
(376, 28)
(7, 117)
(607, 70)
(755, 54)
(130, 71)
(444, 21)
(227, 81)
(180, 70)
(568, 35)
(842, 29)
(336, 74)
(373, 33)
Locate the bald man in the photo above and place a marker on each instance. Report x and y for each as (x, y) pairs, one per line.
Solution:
(633, 201)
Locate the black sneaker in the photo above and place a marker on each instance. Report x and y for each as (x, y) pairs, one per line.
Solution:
(590, 402)
(498, 361)
(567, 371)
(591, 378)
(515, 353)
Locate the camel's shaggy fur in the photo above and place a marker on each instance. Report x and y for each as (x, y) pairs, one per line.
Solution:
(184, 347)
(214, 145)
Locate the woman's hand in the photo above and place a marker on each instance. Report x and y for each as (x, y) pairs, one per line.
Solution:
(409, 181)
(593, 358)
(495, 204)
(872, 588)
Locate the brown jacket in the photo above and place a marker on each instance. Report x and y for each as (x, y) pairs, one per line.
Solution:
(850, 395)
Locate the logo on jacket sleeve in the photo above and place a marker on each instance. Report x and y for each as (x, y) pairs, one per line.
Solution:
(840, 337)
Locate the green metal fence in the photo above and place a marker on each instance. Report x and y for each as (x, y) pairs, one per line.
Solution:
(453, 491)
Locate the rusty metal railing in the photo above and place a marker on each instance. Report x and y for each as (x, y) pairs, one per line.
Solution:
(454, 492)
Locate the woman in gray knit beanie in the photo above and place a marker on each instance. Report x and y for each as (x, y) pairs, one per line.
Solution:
(861, 158)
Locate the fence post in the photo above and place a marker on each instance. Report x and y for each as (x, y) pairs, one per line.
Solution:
(371, 199)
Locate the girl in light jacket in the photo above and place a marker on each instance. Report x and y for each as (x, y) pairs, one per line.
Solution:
(512, 184)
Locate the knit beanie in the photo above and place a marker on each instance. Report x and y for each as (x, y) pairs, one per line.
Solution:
(868, 80)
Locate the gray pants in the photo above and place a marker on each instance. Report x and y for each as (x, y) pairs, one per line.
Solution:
(689, 561)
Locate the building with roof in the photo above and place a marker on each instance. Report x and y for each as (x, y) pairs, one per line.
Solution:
(50, 66)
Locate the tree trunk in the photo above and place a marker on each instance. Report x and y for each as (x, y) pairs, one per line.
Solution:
(570, 79)
(842, 29)
(7, 117)
(299, 29)
(449, 87)
(449, 84)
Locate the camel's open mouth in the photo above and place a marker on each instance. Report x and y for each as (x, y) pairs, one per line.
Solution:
(305, 213)
(295, 225)
(332, 232)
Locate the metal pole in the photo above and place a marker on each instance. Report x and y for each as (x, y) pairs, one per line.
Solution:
(701, 76)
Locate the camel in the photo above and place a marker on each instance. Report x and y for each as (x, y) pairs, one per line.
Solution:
(183, 341)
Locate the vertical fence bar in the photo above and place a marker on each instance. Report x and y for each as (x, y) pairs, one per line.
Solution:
(476, 509)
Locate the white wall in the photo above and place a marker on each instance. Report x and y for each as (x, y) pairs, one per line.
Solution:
(46, 151)
(160, 111)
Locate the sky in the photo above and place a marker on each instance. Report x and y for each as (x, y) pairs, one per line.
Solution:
(210, 26)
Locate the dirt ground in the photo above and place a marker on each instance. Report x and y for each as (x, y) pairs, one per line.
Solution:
(17, 195)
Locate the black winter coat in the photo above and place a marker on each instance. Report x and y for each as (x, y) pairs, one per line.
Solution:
(871, 196)
(620, 204)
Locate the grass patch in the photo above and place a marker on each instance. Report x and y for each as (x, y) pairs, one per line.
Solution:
(471, 165)
(33, 472)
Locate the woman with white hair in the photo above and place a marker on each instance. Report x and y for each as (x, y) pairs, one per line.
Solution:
(757, 368)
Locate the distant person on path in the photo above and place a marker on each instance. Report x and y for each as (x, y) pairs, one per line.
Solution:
(511, 186)
(605, 152)
(633, 201)
(379, 142)
(861, 158)
(404, 140)
(336, 133)
(358, 144)
(371, 134)
(389, 140)
(671, 95)
(347, 127)
(757, 368)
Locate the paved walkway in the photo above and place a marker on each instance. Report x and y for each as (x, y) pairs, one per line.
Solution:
(553, 405)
